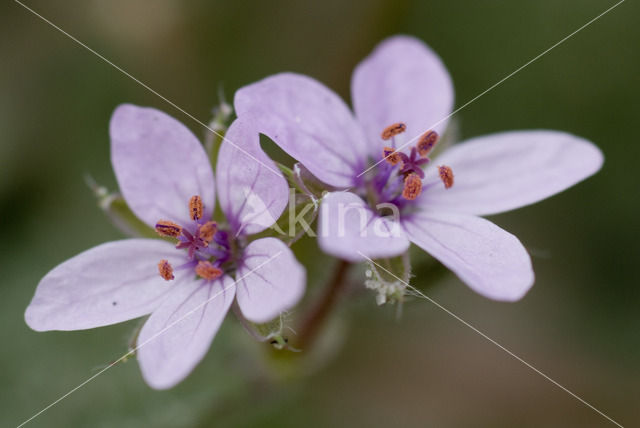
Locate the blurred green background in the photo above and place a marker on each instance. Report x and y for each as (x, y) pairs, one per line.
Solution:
(579, 324)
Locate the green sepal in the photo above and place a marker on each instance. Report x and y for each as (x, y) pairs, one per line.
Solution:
(270, 331)
(117, 210)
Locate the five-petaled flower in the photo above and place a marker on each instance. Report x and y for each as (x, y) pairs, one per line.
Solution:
(166, 178)
(403, 89)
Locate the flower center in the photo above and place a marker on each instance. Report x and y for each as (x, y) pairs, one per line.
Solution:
(207, 246)
(398, 180)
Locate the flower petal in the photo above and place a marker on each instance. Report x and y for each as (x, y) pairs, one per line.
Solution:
(500, 172)
(179, 333)
(349, 227)
(487, 258)
(159, 165)
(107, 284)
(252, 191)
(402, 80)
(270, 280)
(309, 122)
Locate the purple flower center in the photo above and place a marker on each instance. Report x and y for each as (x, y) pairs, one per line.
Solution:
(208, 248)
(398, 180)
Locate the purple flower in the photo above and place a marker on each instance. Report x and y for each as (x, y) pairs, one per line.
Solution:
(166, 178)
(402, 92)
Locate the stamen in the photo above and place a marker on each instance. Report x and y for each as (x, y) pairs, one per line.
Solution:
(195, 207)
(412, 187)
(446, 175)
(393, 130)
(165, 269)
(427, 142)
(391, 156)
(208, 230)
(208, 271)
(168, 228)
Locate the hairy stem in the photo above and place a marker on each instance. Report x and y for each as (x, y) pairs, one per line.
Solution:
(318, 313)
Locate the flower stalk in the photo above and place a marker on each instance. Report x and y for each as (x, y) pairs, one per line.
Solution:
(315, 318)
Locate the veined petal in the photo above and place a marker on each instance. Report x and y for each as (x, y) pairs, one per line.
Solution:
(159, 165)
(508, 170)
(309, 122)
(488, 259)
(348, 227)
(251, 189)
(107, 284)
(270, 280)
(402, 80)
(179, 333)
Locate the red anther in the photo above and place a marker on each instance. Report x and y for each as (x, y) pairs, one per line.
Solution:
(426, 142)
(412, 187)
(166, 270)
(168, 228)
(195, 207)
(391, 156)
(208, 271)
(446, 175)
(393, 130)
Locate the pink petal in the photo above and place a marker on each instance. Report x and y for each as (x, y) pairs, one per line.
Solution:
(402, 80)
(251, 190)
(179, 333)
(107, 284)
(500, 172)
(310, 122)
(348, 227)
(488, 259)
(270, 281)
(159, 165)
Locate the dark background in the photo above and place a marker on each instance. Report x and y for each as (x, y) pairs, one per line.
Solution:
(579, 324)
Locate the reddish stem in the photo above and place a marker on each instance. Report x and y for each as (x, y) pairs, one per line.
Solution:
(316, 316)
